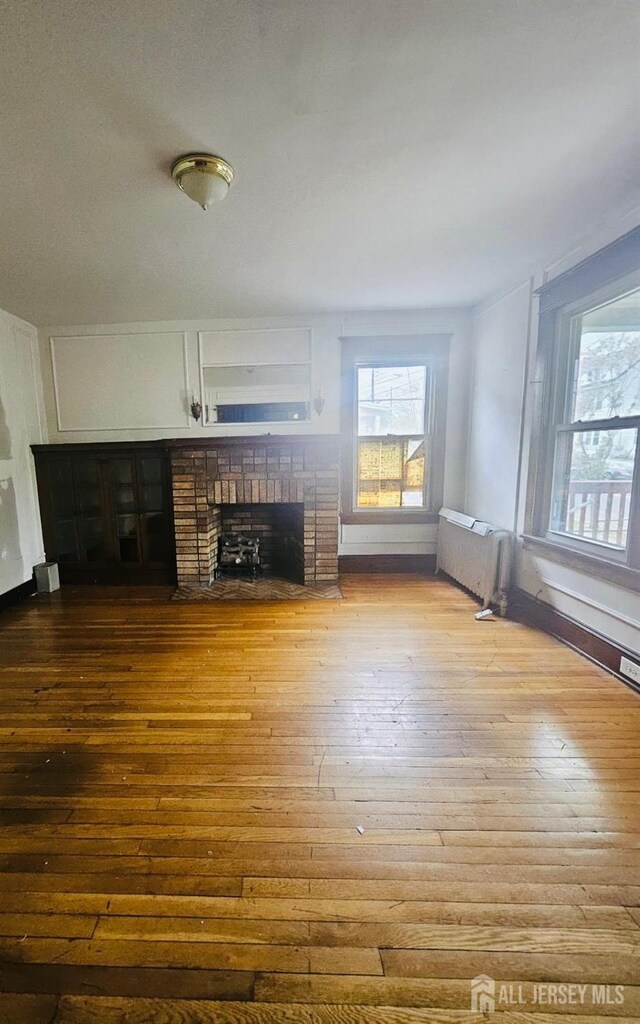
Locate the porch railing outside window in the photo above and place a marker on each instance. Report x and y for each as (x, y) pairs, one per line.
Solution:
(599, 510)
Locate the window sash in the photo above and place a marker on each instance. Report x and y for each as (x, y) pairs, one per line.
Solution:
(566, 340)
(401, 439)
(425, 436)
(571, 334)
(588, 426)
(393, 403)
(605, 506)
(431, 350)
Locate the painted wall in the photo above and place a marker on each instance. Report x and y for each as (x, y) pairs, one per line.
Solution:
(21, 424)
(499, 352)
(502, 390)
(135, 381)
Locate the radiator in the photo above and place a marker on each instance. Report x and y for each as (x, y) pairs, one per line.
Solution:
(477, 555)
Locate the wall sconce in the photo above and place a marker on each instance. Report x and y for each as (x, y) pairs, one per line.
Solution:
(318, 403)
(196, 409)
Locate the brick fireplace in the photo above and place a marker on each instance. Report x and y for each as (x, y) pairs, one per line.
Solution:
(287, 487)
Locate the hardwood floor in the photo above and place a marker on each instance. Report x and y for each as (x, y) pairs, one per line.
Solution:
(322, 812)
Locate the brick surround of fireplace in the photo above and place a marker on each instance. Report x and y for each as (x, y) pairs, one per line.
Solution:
(212, 476)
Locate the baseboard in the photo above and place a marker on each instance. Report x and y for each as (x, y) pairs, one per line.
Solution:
(17, 594)
(116, 575)
(592, 645)
(387, 563)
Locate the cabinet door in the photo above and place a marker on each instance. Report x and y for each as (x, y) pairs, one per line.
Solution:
(61, 528)
(124, 497)
(93, 511)
(106, 514)
(155, 526)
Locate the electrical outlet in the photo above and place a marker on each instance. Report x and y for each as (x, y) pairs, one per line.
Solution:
(630, 668)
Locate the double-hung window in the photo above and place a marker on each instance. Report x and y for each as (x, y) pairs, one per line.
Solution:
(587, 452)
(392, 406)
(394, 415)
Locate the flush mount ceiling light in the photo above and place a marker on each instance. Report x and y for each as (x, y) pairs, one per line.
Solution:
(203, 177)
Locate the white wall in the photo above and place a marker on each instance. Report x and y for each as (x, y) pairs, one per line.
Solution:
(20, 425)
(502, 391)
(501, 329)
(94, 393)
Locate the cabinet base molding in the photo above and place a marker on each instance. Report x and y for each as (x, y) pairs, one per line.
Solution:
(116, 577)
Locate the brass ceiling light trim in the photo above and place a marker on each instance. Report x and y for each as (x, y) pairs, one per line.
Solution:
(203, 177)
(204, 162)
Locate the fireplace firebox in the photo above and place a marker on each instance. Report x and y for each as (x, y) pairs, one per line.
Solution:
(239, 553)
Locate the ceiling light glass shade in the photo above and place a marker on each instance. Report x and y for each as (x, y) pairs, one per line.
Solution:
(203, 188)
(204, 178)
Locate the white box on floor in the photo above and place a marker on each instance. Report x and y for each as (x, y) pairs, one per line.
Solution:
(47, 577)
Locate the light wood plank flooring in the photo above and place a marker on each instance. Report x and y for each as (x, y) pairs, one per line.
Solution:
(314, 812)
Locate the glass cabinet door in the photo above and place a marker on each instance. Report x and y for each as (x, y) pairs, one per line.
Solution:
(125, 500)
(128, 530)
(154, 520)
(123, 482)
(92, 514)
(63, 512)
(106, 511)
(151, 480)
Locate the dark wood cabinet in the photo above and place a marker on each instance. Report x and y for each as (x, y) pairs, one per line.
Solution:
(106, 512)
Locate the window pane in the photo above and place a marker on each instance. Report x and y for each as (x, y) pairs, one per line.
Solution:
(391, 473)
(607, 373)
(391, 400)
(592, 485)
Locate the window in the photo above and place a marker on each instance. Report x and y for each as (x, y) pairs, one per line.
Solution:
(594, 468)
(591, 439)
(391, 441)
(393, 430)
(588, 467)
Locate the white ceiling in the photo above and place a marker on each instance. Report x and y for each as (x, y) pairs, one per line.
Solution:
(388, 153)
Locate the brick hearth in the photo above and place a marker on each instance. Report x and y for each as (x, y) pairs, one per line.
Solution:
(246, 471)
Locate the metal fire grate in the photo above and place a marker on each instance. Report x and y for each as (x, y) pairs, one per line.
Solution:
(239, 553)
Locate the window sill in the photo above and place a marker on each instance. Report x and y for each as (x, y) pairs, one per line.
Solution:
(621, 575)
(390, 517)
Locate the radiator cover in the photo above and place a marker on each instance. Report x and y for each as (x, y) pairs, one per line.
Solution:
(477, 555)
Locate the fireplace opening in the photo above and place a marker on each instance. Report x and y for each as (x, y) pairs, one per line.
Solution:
(279, 528)
(239, 553)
